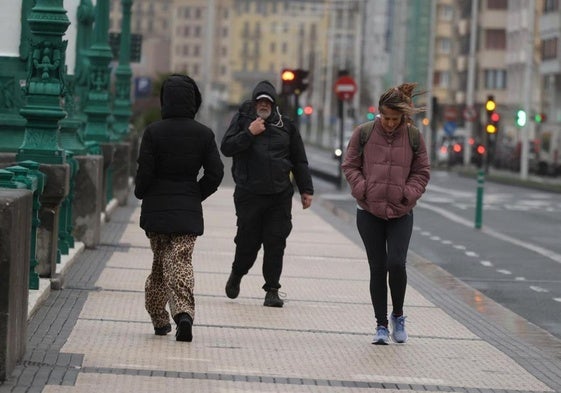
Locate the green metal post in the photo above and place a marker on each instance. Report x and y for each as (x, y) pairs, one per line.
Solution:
(86, 19)
(479, 199)
(98, 99)
(122, 104)
(45, 84)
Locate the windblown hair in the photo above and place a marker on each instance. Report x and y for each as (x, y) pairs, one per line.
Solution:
(400, 98)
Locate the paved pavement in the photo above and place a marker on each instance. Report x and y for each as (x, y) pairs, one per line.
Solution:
(94, 335)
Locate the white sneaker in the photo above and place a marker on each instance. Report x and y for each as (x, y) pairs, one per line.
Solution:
(382, 336)
(399, 335)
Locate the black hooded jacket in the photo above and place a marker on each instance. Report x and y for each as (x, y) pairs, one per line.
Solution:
(172, 152)
(262, 163)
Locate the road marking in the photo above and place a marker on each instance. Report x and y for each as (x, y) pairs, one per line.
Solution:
(503, 271)
(520, 278)
(517, 242)
(557, 299)
(486, 263)
(538, 289)
(472, 254)
(459, 247)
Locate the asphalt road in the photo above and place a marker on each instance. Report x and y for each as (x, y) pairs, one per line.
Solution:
(514, 258)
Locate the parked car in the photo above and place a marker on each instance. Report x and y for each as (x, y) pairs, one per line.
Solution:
(451, 151)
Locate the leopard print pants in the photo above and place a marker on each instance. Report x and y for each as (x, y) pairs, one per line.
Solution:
(172, 280)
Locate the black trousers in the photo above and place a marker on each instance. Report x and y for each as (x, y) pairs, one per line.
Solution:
(262, 220)
(386, 243)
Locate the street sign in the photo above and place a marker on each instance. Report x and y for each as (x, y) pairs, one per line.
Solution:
(469, 113)
(451, 113)
(345, 88)
(450, 127)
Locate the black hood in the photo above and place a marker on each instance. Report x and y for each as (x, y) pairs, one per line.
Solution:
(179, 97)
(265, 87)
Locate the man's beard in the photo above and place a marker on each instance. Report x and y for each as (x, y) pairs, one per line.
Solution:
(264, 113)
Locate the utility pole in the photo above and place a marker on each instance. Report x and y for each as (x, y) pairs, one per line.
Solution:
(471, 80)
(430, 134)
(528, 89)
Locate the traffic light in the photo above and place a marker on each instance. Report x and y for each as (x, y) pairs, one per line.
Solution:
(300, 111)
(288, 77)
(540, 117)
(493, 116)
(308, 110)
(520, 118)
(371, 112)
(490, 105)
(300, 80)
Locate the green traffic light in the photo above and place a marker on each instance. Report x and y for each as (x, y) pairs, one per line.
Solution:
(520, 118)
(370, 116)
(538, 118)
(300, 111)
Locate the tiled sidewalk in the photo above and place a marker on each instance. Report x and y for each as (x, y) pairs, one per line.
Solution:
(94, 335)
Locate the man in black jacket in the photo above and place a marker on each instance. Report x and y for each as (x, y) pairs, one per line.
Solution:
(266, 148)
(172, 152)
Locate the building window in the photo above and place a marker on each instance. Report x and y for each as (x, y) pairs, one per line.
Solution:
(445, 12)
(495, 39)
(444, 45)
(550, 6)
(549, 48)
(495, 79)
(442, 79)
(497, 4)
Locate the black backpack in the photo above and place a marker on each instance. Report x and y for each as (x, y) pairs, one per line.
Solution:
(366, 130)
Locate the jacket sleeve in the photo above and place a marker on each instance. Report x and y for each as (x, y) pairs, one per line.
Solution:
(146, 166)
(213, 170)
(352, 167)
(237, 138)
(300, 167)
(419, 175)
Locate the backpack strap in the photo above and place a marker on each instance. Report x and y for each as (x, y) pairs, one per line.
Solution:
(365, 131)
(414, 137)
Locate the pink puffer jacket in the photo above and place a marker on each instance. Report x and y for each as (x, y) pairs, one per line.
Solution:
(388, 179)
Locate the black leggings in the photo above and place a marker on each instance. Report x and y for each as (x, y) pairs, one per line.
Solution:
(386, 243)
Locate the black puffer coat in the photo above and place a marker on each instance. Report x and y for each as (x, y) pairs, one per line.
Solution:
(172, 152)
(262, 163)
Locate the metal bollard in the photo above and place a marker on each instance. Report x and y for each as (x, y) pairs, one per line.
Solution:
(479, 199)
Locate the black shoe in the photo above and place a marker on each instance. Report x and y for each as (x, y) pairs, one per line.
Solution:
(272, 299)
(233, 286)
(162, 331)
(184, 330)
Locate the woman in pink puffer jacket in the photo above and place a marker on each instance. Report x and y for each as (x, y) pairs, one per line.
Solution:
(387, 178)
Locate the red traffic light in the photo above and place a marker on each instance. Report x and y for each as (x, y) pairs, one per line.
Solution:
(495, 117)
(308, 110)
(481, 149)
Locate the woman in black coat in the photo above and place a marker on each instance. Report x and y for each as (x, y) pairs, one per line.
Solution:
(172, 152)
